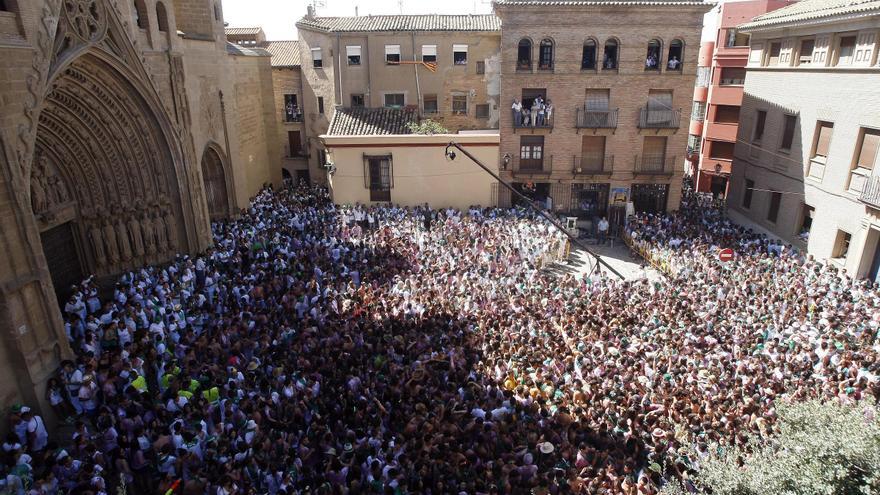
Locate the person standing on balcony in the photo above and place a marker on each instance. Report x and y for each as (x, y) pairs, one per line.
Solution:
(516, 110)
(541, 111)
(534, 116)
(674, 63)
(525, 116)
(548, 111)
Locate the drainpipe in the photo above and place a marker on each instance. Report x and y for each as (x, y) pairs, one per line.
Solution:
(339, 71)
(368, 97)
(416, 69)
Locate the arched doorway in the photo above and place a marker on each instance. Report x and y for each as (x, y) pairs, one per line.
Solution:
(215, 184)
(104, 189)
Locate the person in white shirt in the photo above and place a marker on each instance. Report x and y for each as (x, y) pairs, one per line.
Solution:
(516, 110)
(603, 231)
(37, 435)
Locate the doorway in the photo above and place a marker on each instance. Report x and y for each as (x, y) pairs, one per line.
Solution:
(535, 191)
(650, 198)
(59, 248)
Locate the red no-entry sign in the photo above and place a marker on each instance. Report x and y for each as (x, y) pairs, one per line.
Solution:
(725, 255)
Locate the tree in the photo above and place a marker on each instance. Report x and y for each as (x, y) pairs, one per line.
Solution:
(821, 448)
(426, 126)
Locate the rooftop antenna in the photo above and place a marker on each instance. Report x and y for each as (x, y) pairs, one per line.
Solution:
(318, 4)
(400, 6)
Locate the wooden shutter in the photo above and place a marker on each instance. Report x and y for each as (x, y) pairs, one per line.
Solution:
(785, 52)
(593, 145)
(655, 145)
(868, 152)
(864, 49)
(597, 99)
(660, 100)
(823, 140)
(820, 50)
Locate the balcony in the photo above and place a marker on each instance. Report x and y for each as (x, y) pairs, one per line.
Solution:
(871, 192)
(654, 164)
(593, 164)
(526, 123)
(596, 119)
(297, 153)
(533, 166)
(659, 119)
(290, 118)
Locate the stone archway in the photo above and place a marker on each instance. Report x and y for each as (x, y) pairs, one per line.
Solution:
(216, 184)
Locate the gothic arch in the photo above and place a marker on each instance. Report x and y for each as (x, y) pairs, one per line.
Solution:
(108, 161)
(218, 182)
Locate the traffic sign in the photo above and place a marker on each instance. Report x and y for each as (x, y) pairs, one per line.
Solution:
(725, 255)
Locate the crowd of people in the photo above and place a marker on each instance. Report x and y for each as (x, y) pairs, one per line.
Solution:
(322, 349)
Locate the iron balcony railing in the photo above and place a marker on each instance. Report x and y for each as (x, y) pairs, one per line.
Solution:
(596, 119)
(654, 164)
(293, 117)
(593, 163)
(541, 165)
(650, 118)
(525, 122)
(871, 192)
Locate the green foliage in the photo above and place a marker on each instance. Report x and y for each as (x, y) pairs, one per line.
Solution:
(426, 126)
(818, 448)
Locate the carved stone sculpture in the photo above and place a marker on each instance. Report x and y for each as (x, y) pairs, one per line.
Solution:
(137, 241)
(170, 230)
(97, 244)
(110, 242)
(149, 237)
(122, 238)
(159, 229)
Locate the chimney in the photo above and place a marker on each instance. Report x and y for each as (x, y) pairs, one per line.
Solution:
(355, 10)
(310, 12)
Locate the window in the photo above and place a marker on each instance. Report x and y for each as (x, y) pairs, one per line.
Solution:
(756, 54)
(545, 54)
(294, 143)
(760, 122)
(694, 144)
(733, 76)
(429, 53)
(321, 105)
(652, 59)
(698, 113)
(3, 7)
(459, 104)
(481, 67)
(162, 17)
(531, 152)
(846, 51)
(788, 132)
(726, 114)
(430, 103)
(773, 210)
(357, 101)
(317, 58)
(140, 14)
(841, 244)
(394, 100)
(592, 154)
(353, 53)
(392, 54)
(822, 141)
(736, 39)
(704, 77)
(459, 54)
(659, 110)
(654, 153)
(675, 60)
(721, 150)
(588, 58)
(806, 52)
(807, 213)
(747, 194)
(609, 58)
(379, 177)
(292, 112)
(775, 49)
(483, 111)
(524, 55)
(867, 150)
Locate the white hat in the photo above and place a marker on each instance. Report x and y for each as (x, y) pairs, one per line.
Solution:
(545, 447)
(25, 409)
(251, 425)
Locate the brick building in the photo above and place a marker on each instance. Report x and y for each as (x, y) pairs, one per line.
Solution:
(718, 94)
(618, 75)
(446, 67)
(121, 120)
(810, 131)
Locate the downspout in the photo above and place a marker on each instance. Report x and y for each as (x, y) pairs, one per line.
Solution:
(416, 69)
(368, 97)
(339, 71)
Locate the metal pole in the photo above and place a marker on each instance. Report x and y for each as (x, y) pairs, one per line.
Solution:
(571, 237)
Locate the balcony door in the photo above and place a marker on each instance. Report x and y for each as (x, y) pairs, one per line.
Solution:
(531, 152)
(294, 143)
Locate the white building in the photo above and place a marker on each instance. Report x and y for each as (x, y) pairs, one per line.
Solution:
(810, 131)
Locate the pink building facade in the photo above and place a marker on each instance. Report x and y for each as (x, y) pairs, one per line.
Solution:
(718, 95)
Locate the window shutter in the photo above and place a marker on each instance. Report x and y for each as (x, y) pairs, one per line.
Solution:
(864, 49)
(352, 51)
(755, 54)
(597, 99)
(785, 52)
(868, 153)
(820, 50)
(429, 50)
(460, 48)
(660, 100)
(824, 139)
(392, 49)
(655, 146)
(316, 54)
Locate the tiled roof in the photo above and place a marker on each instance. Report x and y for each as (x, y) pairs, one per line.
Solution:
(242, 31)
(233, 49)
(371, 121)
(284, 53)
(601, 3)
(374, 23)
(812, 10)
